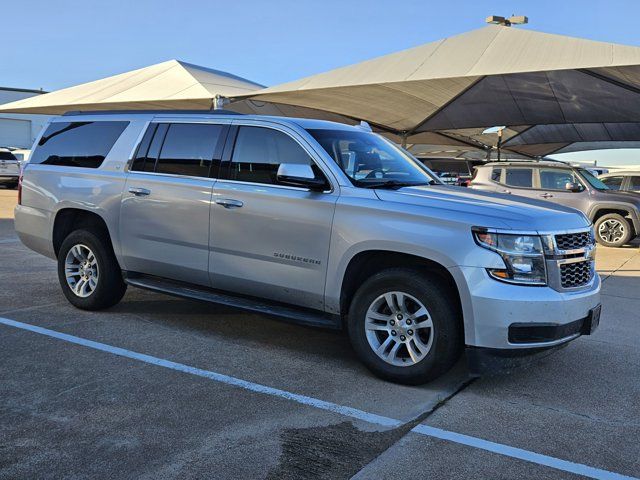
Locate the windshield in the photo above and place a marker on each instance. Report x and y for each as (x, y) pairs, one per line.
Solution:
(593, 181)
(371, 161)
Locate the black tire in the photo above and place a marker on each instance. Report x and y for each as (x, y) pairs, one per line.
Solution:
(431, 291)
(110, 287)
(623, 234)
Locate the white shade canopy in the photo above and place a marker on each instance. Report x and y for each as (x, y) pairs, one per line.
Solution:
(167, 85)
(461, 85)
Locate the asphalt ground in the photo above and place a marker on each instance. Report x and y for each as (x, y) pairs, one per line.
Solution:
(159, 387)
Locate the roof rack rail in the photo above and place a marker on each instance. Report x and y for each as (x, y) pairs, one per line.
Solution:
(530, 160)
(161, 112)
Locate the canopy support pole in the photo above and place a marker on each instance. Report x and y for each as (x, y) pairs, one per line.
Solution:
(404, 136)
(218, 102)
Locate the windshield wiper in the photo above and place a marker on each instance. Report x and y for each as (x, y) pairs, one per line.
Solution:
(392, 184)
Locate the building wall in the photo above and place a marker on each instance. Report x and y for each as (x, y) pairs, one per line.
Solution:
(19, 130)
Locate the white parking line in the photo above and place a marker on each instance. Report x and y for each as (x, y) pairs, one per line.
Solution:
(372, 418)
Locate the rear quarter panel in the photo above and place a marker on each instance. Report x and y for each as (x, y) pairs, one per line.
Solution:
(48, 189)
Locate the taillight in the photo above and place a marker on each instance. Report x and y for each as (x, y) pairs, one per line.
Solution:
(20, 185)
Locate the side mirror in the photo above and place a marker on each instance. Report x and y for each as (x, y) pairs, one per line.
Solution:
(299, 175)
(573, 187)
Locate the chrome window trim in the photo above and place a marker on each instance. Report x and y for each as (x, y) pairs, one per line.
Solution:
(173, 175)
(271, 185)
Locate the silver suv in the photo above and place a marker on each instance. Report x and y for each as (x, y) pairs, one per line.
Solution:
(318, 222)
(9, 168)
(616, 215)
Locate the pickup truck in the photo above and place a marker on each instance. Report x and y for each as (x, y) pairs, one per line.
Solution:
(317, 222)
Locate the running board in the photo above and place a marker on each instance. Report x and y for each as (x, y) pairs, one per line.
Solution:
(299, 315)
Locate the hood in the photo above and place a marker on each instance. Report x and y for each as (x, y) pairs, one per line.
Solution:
(485, 209)
(620, 196)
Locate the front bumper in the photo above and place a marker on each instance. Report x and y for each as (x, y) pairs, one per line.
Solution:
(491, 308)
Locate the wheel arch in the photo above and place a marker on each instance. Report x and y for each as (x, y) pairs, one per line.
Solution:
(620, 209)
(366, 263)
(69, 219)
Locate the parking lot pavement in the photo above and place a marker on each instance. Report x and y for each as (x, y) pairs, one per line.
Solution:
(118, 408)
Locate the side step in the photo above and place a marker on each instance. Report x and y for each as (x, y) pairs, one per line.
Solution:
(299, 315)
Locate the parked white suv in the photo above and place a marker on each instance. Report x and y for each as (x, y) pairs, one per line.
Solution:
(322, 223)
(9, 168)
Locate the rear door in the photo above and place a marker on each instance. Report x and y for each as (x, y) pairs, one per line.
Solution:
(164, 220)
(268, 239)
(517, 180)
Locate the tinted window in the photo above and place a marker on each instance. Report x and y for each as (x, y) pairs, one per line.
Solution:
(556, 179)
(450, 168)
(614, 183)
(519, 177)
(634, 184)
(77, 144)
(7, 156)
(143, 149)
(495, 174)
(188, 149)
(259, 152)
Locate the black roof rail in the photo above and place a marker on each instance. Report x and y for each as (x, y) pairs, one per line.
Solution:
(161, 112)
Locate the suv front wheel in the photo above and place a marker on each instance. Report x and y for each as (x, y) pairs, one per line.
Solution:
(612, 230)
(405, 326)
(88, 271)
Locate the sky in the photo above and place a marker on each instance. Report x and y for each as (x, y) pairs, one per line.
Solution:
(56, 44)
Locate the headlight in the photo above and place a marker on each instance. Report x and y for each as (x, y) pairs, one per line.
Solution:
(522, 254)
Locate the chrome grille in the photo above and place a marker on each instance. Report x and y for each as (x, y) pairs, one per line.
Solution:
(576, 274)
(573, 241)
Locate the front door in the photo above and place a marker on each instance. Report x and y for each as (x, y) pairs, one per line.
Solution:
(552, 187)
(164, 219)
(267, 239)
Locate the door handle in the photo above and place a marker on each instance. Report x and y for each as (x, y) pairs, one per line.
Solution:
(506, 191)
(139, 192)
(546, 195)
(229, 203)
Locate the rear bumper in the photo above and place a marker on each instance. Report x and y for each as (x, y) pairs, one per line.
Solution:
(33, 227)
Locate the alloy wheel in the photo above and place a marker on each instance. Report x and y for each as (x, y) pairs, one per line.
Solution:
(81, 270)
(611, 231)
(399, 329)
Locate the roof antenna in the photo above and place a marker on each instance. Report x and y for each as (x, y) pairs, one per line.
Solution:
(507, 22)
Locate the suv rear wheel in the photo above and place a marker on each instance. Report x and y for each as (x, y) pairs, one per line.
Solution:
(612, 230)
(88, 271)
(405, 326)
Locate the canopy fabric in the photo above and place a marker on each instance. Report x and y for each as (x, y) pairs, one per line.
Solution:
(167, 85)
(495, 75)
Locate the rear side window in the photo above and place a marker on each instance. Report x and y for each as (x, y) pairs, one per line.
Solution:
(519, 177)
(495, 174)
(77, 144)
(179, 149)
(259, 152)
(634, 184)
